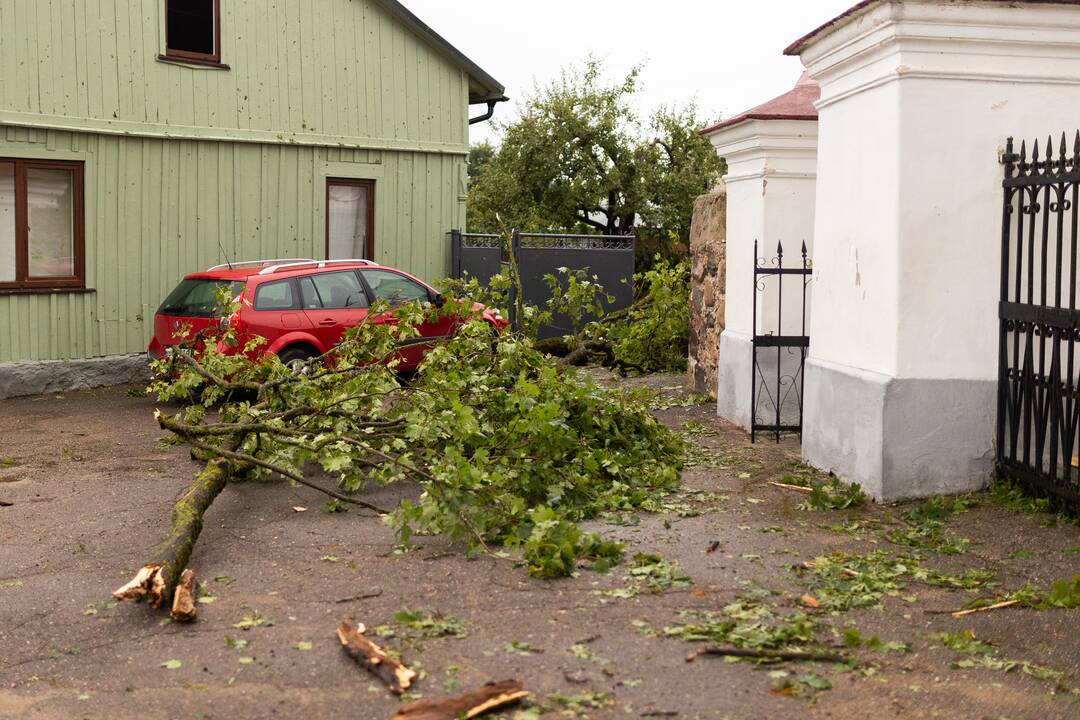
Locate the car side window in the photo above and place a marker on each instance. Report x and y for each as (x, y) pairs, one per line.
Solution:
(395, 288)
(333, 290)
(309, 297)
(277, 295)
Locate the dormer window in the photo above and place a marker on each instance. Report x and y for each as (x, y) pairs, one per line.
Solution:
(193, 30)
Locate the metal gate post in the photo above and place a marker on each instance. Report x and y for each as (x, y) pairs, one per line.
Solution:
(753, 357)
(455, 253)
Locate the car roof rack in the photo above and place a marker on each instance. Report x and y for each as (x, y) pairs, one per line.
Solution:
(246, 263)
(321, 263)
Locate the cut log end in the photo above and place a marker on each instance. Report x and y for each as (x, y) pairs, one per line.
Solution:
(396, 676)
(143, 586)
(492, 696)
(183, 605)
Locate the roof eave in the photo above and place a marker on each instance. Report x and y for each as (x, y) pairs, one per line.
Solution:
(754, 116)
(482, 86)
(796, 47)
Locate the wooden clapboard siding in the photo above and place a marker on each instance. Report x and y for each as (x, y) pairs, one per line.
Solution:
(336, 72)
(183, 162)
(157, 209)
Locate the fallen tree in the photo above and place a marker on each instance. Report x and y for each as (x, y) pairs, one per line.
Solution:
(509, 447)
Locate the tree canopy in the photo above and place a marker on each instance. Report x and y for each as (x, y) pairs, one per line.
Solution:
(578, 159)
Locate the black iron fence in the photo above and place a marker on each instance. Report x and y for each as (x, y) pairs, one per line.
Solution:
(1038, 404)
(779, 356)
(609, 257)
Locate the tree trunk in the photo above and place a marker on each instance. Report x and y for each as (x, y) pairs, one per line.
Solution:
(157, 580)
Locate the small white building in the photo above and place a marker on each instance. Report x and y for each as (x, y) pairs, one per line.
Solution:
(917, 98)
(771, 153)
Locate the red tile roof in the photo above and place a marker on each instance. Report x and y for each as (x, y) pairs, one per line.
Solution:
(795, 104)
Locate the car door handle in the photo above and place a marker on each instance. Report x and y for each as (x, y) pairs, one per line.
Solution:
(328, 322)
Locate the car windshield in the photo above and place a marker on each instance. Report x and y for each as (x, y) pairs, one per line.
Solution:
(197, 298)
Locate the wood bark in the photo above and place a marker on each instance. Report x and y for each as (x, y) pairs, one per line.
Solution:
(158, 578)
(492, 696)
(366, 653)
(183, 605)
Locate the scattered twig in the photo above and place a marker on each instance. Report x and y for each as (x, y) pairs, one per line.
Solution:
(5, 503)
(361, 596)
(797, 488)
(491, 696)
(772, 654)
(985, 608)
(366, 653)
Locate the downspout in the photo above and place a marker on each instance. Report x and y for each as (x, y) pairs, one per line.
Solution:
(490, 111)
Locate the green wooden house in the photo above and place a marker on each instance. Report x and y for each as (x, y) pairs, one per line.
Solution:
(144, 139)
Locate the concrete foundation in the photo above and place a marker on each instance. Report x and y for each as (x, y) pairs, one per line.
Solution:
(34, 378)
(899, 438)
(734, 382)
(733, 378)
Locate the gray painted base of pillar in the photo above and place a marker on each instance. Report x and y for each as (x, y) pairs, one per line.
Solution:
(46, 376)
(899, 438)
(733, 378)
(733, 387)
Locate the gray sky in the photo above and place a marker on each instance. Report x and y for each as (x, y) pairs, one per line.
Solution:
(726, 54)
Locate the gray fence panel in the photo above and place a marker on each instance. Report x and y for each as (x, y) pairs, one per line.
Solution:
(609, 258)
(475, 255)
(614, 270)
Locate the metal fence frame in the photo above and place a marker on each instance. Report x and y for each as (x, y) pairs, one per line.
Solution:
(779, 395)
(1038, 401)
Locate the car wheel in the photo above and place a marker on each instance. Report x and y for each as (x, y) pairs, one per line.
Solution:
(296, 359)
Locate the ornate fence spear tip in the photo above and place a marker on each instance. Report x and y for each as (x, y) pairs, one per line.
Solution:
(1023, 151)
(779, 249)
(1076, 146)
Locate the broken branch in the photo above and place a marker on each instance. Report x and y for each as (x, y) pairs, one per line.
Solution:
(797, 488)
(985, 608)
(773, 654)
(491, 696)
(366, 653)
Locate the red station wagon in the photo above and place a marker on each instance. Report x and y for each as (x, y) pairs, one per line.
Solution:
(301, 307)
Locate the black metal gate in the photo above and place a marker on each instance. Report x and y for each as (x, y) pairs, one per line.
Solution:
(779, 389)
(1038, 408)
(609, 257)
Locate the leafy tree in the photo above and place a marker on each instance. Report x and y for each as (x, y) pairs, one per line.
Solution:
(480, 155)
(578, 159)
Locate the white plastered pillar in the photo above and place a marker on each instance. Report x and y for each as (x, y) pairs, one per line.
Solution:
(917, 100)
(771, 166)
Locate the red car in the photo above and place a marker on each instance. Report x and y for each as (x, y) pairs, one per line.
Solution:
(301, 307)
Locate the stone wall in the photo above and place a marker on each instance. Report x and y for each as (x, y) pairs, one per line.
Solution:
(708, 249)
(48, 376)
